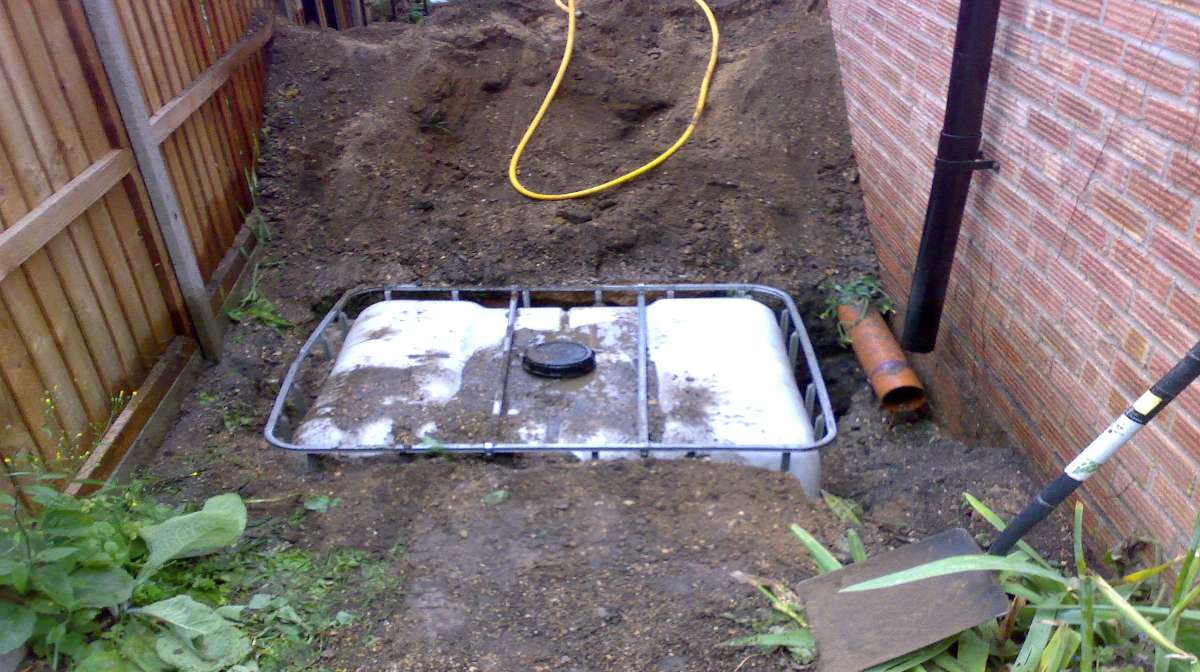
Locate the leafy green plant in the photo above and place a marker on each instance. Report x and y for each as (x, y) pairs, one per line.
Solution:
(1058, 621)
(255, 306)
(435, 121)
(862, 293)
(69, 568)
(236, 416)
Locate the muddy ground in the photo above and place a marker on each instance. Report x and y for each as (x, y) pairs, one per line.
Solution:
(384, 161)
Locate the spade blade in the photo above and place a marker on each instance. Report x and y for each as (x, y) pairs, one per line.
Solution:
(854, 631)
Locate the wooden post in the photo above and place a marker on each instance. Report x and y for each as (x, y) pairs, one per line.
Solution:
(118, 64)
(356, 11)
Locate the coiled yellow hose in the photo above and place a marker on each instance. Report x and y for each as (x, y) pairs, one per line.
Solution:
(515, 163)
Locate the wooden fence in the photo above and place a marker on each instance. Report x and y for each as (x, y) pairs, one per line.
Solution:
(339, 14)
(128, 133)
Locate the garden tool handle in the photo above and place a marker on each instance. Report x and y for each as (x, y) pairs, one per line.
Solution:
(1097, 453)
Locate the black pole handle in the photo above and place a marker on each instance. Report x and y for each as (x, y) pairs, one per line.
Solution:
(1097, 453)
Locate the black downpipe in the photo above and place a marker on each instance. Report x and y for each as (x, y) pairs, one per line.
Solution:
(958, 157)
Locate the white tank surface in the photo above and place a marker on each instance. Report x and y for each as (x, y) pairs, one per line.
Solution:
(717, 373)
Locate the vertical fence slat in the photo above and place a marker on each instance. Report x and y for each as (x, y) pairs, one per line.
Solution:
(127, 259)
(109, 267)
(22, 355)
(45, 155)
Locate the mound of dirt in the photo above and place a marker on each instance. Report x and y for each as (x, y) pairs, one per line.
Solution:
(397, 137)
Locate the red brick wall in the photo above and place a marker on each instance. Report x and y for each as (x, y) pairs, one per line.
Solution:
(1077, 280)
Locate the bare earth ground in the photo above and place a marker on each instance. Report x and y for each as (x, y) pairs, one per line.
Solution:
(384, 161)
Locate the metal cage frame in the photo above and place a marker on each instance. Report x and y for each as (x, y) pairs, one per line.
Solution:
(320, 345)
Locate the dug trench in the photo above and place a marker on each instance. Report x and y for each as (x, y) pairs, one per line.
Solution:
(383, 161)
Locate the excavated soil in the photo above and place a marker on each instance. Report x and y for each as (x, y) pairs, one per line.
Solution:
(384, 159)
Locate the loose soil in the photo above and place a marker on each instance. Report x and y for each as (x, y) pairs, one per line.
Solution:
(384, 161)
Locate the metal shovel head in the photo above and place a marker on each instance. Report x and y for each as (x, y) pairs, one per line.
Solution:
(854, 631)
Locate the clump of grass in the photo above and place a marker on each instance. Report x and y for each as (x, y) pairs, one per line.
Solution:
(863, 293)
(1057, 622)
(256, 307)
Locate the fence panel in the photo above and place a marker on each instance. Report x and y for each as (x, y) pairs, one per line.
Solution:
(209, 150)
(87, 298)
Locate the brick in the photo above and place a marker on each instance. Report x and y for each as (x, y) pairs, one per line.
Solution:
(1169, 516)
(1063, 65)
(1116, 92)
(1161, 326)
(1117, 210)
(1079, 111)
(1016, 44)
(1088, 8)
(1179, 459)
(1141, 22)
(1185, 172)
(1112, 284)
(1141, 147)
(1049, 23)
(1174, 121)
(1096, 44)
(1048, 129)
(1180, 256)
(1102, 163)
(1089, 228)
(1026, 81)
(1183, 36)
(1152, 67)
(1172, 207)
(1185, 307)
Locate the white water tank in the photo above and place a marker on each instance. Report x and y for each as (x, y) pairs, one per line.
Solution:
(710, 376)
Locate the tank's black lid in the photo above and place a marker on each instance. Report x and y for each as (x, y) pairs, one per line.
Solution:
(559, 359)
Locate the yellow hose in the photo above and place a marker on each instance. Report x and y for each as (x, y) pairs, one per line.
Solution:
(514, 164)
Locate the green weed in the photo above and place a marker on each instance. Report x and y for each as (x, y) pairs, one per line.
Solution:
(1058, 621)
(69, 568)
(863, 293)
(236, 416)
(256, 307)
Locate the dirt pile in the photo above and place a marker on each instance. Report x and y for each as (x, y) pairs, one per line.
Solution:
(397, 138)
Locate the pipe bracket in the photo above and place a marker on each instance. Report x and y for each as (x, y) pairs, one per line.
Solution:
(978, 164)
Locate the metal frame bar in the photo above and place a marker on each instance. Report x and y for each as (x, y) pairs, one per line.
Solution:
(795, 337)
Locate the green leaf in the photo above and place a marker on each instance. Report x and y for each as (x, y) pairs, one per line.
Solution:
(320, 503)
(958, 564)
(260, 601)
(105, 661)
(1058, 653)
(65, 523)
(213, 652)
(101, 588)
(857, 550)
(219, 524)
(821, 556)
(915, 659)
(187, 616)
(138, 646)
(49, 555)
(1038, 635)
(55, 583)
(1137, 620)
(848, 511)
(798, 642)
(998, 523)
(972, 652)
(495, 497)
(16, 626)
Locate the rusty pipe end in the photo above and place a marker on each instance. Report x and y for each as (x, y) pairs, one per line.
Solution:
(893, 379)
